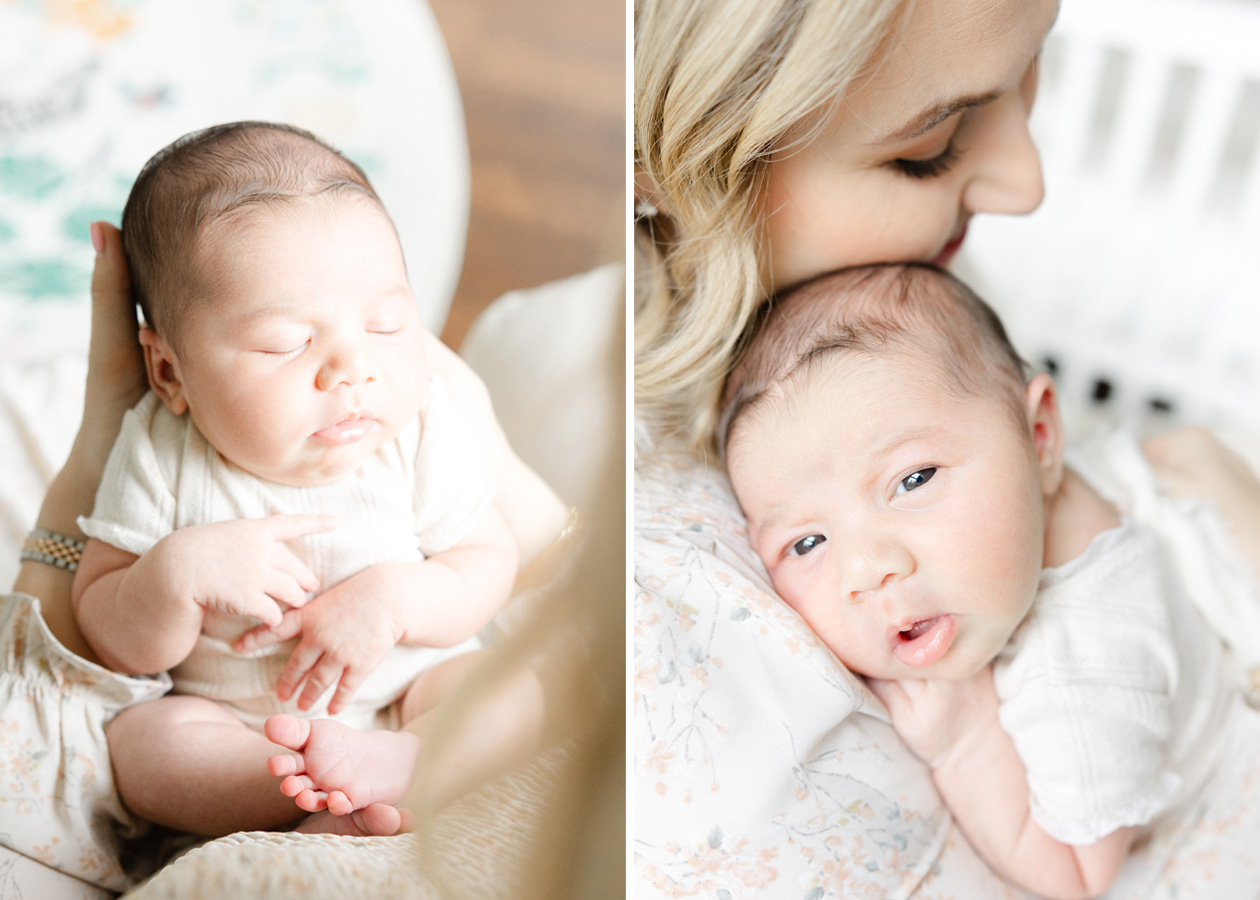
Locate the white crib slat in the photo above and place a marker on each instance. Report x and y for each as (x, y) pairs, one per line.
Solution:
(1147, 81)
(1062, 116)
(1207, 132)
(1248, 209)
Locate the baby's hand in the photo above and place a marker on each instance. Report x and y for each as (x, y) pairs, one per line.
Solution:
(243, 566)
(935, 718)
(346, 633)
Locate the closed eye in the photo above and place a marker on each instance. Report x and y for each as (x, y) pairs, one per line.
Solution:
(933, 167)
(806, 545)
(290, 353)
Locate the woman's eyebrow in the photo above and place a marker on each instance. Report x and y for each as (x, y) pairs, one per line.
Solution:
(935, 115)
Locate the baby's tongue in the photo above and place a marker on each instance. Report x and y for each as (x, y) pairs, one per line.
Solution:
(918, 628)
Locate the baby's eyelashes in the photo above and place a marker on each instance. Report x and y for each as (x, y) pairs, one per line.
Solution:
(287, 350)
(806, 545)
(915, 479)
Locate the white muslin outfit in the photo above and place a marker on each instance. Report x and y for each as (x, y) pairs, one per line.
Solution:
(416, 496)
(1115, 688)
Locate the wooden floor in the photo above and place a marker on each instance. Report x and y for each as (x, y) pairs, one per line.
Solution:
(544, 91)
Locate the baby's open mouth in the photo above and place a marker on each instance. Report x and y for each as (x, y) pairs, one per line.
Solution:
(919, 628)
(924, 642)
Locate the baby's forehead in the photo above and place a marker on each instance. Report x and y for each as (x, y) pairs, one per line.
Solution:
(855, 386)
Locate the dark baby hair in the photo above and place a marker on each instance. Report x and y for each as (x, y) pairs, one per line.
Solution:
(209, 176)
(870, 309)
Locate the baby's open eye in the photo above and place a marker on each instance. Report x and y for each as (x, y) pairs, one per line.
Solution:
(916, 479)
(806, 544)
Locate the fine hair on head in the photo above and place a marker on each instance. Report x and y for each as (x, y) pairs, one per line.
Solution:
(916, 309)
(717, 86)
(219, 175)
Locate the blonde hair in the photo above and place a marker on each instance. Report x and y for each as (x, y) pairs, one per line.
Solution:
(718, 83)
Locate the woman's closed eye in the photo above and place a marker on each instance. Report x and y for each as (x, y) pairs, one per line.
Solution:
(806, 544)
(932, 167)
(915, 480)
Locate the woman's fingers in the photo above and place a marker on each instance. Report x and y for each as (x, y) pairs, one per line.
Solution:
(115, 360)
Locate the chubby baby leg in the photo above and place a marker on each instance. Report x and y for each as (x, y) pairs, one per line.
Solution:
(188, 763)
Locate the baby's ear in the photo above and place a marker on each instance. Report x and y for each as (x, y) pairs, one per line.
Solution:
(163, 368)
(1047, 430)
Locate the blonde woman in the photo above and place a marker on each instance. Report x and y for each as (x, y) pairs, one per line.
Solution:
(776, 140)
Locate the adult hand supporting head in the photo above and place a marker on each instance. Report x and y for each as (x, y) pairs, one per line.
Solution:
(115, 382)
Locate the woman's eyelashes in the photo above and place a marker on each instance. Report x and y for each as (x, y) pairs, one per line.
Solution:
(915, 480)
(932, 167)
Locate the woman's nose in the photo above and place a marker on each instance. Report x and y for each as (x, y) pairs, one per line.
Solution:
(1006, 176)
(348, 364)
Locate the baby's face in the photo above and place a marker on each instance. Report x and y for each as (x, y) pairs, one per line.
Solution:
(309, 356)
(903, 521)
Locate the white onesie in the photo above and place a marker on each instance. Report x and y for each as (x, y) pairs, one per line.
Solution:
(1114, 688)
(416, 496)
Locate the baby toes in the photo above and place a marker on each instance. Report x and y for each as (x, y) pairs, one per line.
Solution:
(295, 784)
(311, 801)
(286, 764)
(287, 731)
(339, 804)
(379, 818)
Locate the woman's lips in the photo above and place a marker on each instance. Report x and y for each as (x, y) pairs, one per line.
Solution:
(347, 431)
(924, 642)
(946, 255)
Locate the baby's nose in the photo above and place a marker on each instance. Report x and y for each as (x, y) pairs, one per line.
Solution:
(345, 366)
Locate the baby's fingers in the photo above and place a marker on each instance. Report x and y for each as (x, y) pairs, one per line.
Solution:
(290, 577)
(322, 677)
(288, 527)
(268, 635)
(304, 657)
(284, 588)
(351, 681)
(891, 694)
(257, 606)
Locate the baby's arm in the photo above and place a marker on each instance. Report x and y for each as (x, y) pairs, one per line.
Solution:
(954, 728)
(142, 614)
(439, 601)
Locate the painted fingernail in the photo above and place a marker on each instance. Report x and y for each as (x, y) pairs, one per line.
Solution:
(98, 237)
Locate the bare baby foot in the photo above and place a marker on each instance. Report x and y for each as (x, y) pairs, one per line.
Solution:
(373, 820)
(338, 768)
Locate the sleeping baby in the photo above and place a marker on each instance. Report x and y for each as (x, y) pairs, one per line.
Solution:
(294, 521)
(1034, 641)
